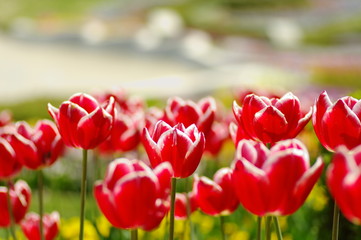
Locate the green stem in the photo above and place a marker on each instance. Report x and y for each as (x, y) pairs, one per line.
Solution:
(268, 227)
(259, 228)
(172, 203)
(336, 221)
(134, 234)
(41, 205)
(11, 214)
(223, 232)
(83, 193)
(278, 228)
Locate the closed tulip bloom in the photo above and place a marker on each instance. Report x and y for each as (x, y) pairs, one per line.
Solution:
(132, 195)
(82, 121)
(339, 123)
(31, 229)
(202, 114)
(344, 182)
(181, 147)
(9, 160)
(20, 195)
(271, 120)
(275, 181)
(180, 211)
(39, 146)
(216, 197)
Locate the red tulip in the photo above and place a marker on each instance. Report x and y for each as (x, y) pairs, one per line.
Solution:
(20, 195)
(9, 160)
(37, 147)
(216, 138)
(180, 210)
(201, 114)
(82, 122)
(5, 118)
(182, 147)
(271, 120)
(31, 229)
(132, 195)
(216, 197)
(344, 182)
(339, 123)
(275, 181)
(237, 133)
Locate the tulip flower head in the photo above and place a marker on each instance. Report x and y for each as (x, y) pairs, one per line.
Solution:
(180, 211)
(132, 195)
(344, 182)
(38, 147)
(82, 121)
(31, 229)
(20, 195)
(271, 120)
(181, 147)
(202, 114)
(339, 123)
(9, 159)
(216, 137)
(216, 197)
(275, 181)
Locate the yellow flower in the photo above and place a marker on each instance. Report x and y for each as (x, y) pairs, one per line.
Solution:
(239, 235)
(103, 226)
(70, 229)
(318, 198)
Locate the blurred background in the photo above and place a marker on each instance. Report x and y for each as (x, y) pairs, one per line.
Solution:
(159, 48)
(190, 48)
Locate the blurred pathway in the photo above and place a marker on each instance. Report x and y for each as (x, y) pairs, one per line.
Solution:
(34, 69)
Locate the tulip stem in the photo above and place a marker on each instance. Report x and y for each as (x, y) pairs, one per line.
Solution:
(278, 228)
(41, 205)
(11, 213)
(268, 227)
(83, 193)
(134, 234)
(221, 219)
(336, 221)
(259, 228)
(172, 203)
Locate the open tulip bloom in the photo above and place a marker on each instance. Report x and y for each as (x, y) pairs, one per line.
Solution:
(344, 182)
(201, 114)
(216, 197)
(181, 147)
(133, 196)
(82, 121)
(30, 226)
(339, 123)
(20, 195)
(271, 120)
(276, 181)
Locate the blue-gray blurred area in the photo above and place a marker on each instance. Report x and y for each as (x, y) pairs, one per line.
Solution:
(176, 47)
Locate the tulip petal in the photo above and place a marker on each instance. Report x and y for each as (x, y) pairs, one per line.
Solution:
(105, 202)
(289, 105)
(270, 124)
(322, 103)
(341, 126)
(251, 187)
(193, 156)
(152, 149)
(134, 195)
(69, 116)
(85, 101)
(94, 128)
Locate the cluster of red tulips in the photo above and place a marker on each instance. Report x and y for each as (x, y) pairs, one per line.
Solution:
(270, 175)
